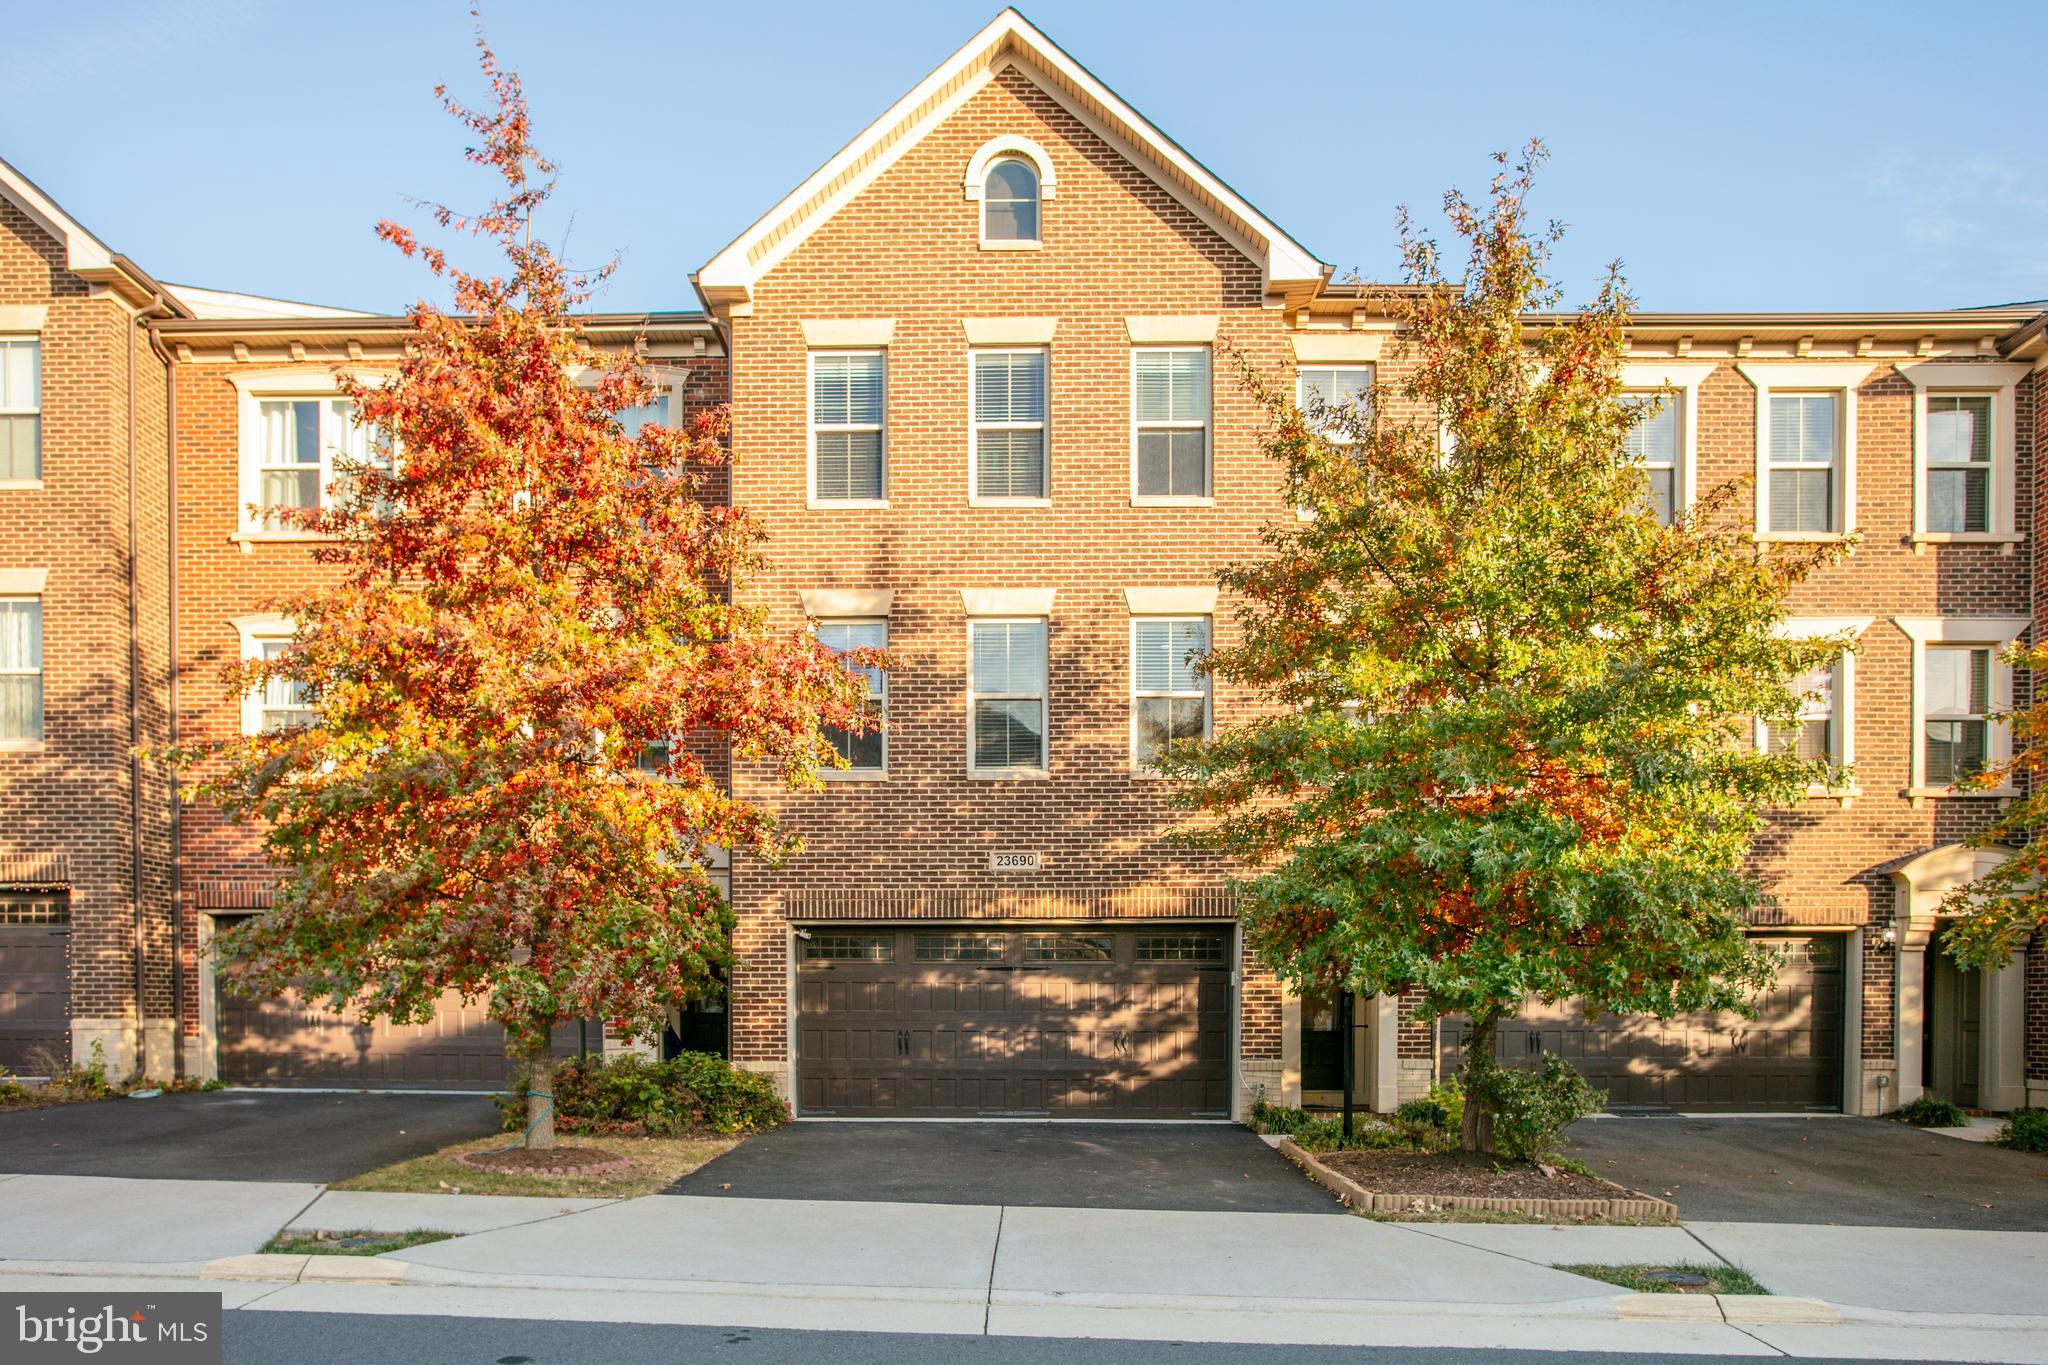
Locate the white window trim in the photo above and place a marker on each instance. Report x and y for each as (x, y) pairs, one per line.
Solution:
(811, 497)
(1207, 497)
(1683, 381)
(988, 243)
(2000, 382)
(1849, 628)
(1014, 773)
(1140, 770)
(255, 631)
(1014, 148)
(19, 331)
(975, 497)
(880, 774)
(1988, 632)
(15, 587)
(1792, 377)
(252, 389)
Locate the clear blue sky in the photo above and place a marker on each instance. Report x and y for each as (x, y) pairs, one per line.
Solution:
(1795, 156)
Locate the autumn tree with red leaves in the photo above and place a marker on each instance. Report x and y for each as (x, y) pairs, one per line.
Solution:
(530, 602)
(1507, 752)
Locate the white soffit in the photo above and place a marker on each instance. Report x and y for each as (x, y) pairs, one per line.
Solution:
(1008, 39)
(84, 254)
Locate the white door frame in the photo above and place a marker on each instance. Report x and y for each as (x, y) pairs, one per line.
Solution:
(1920, 887)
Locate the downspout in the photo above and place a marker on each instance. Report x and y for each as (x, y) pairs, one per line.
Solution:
(135, 728)
(170, 362)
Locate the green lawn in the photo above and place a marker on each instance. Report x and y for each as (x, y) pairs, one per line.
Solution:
(1721, 1279)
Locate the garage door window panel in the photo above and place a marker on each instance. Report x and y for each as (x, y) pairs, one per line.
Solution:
(850, 948)
(961, 948)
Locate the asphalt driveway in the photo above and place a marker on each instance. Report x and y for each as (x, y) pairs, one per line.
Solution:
(1207, 1168)
(1864, 1172)
(238, 1135)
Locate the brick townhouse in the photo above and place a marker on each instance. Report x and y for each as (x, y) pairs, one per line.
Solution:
(982, 404)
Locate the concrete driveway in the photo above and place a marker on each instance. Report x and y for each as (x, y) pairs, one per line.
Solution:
(1204, 1168)
(1823, 1169)
(238, 1135)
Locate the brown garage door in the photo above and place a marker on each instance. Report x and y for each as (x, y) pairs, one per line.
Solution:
(1789, 1057)
(35, 981)
(979, 1020)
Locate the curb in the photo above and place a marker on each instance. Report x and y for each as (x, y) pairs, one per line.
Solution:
(1632, 1205)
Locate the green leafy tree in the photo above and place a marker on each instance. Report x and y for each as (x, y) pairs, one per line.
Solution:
(1996, 914)
(531, 634)
(1505, 746)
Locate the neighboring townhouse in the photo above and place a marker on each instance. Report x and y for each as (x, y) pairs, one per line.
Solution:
(85, 931)
(981, 374)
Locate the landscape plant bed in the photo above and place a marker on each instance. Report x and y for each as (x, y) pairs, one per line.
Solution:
(649, 1164)
(1428, 1184)
(349, 1243)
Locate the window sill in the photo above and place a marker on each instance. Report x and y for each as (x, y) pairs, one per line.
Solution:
(27, 484)
(853, 774)
(1800, 537)
(1008, 502)
(248, 536)
(987, 245)
(1918, 794)
(2006, 542)
(1009, 774)
(848, 505)
(1843, 796)
(1140, 500)
(21, 746)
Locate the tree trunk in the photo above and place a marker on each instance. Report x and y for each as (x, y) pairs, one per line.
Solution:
(1477, 1132)
(540, 1090)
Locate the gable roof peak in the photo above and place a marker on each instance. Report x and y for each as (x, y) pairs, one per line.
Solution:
(1290, 270)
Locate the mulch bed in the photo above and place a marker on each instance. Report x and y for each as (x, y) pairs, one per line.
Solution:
(1429, 1175)
(552, 1161)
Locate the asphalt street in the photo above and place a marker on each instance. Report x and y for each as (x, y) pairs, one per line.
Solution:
(259, 1338)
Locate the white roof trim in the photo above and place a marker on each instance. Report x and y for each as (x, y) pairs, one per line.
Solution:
(83, 252)
(225, 303)
(730, 276)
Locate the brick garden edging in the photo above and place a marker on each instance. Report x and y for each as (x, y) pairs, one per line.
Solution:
(1632, 1205)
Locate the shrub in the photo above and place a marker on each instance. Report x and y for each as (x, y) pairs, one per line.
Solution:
(2025, 1130)
(1443, 1107)
(1370, 1133)
(1929, 1112)
(629, 1093)
(1532, 1108)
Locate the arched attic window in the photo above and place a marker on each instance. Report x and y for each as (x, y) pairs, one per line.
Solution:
(1009, 202)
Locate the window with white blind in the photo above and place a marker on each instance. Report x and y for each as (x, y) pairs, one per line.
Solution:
(21, 410)
(21, 670)
(1956, 722)
(303, 448)
(656, 412)
(1169, 696)
(1006, 696)
(1653, 442)
(1332, 396)
(1009, 444)
(1009, 202)
(281, 703)
(848, 447)
(865, 751)
(1805, 461)
(1170, 423)
(1815, 737)
(1959, 462)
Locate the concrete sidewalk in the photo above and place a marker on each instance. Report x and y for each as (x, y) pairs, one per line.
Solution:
(1050, 1272)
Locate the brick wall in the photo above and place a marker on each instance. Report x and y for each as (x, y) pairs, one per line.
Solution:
(76, 796)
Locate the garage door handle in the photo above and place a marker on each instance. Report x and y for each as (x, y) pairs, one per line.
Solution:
(903, 1042)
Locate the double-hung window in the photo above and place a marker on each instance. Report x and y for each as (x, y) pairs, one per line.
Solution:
(1169, 696)
(1333, 398)
(1957, 713)
(21, 410)
(1006, 696)
(848, 447)
(282, 703)
(1959, 462)
(1805, 461)
(302, 442)
(1009, 425)
(1170, 412)
(21, 670)
(1814, 736)
(865, 751)
(1653, 443)
(656, 412)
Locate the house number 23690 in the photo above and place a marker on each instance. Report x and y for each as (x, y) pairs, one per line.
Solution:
(1014, 862)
